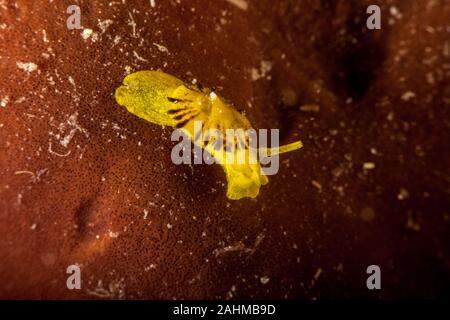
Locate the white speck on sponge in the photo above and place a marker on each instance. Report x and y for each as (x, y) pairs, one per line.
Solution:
(241, 4)
(161, 47)
(4, 102)
(369, 166)
(264, 279)
(408, 96)
(27, 66)
(103, 25)
(86, 33)
(72, 82)
(395, 12)
(264, 69)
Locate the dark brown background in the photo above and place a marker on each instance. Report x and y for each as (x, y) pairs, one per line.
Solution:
(314, 228)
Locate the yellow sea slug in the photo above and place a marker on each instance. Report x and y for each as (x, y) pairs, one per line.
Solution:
(167, 101)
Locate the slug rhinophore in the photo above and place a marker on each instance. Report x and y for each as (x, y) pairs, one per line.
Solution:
(167, 101)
